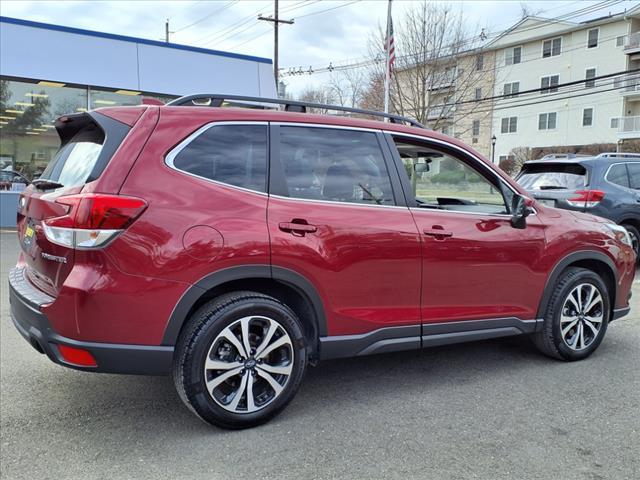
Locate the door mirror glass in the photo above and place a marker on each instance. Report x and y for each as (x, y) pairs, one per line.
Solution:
(520, 211)
(421, 167)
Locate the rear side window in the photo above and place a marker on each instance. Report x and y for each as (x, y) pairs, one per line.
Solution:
(617, 175)
(634, 175)
(75, 160)
(231, 154)
(334, 165)
(553, 176)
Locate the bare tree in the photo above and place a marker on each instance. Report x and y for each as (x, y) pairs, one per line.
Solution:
(322, 94)
(439, 63)
(348, 87)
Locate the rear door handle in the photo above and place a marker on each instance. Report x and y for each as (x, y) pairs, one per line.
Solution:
(297, 229)
(437, 233)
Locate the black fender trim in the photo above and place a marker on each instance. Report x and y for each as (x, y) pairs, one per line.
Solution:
(563, 264)
(242, 272)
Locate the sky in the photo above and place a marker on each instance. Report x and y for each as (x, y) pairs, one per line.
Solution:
(324, 31)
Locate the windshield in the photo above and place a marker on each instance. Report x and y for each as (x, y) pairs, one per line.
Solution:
(553, 177)
(74, 162)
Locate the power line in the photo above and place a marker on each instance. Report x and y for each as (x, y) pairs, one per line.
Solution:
(202, 19)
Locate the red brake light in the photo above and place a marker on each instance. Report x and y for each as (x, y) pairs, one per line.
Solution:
(586, 198)
(77, 356)
(99, 211)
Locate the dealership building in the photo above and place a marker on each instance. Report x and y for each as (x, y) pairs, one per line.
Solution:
(50, 70)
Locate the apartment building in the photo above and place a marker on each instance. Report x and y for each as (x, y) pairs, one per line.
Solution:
(539, 53)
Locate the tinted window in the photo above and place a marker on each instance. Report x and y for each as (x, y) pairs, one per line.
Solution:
(550, 176)
(618, 175)
(335, 165)
(634, 175)
(232, 154)
(74, 162)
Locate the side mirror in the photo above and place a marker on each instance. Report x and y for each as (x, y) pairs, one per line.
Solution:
(421, 167)
(520, 211)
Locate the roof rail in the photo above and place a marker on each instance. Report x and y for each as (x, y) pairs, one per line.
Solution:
(217, 100)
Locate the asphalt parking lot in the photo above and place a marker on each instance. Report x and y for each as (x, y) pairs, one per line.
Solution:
(488, 410)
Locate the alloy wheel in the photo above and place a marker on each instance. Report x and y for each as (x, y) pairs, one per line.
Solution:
(249, 364)
(582, 316)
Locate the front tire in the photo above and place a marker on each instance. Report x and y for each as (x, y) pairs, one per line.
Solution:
(240, 360)
(577, 316)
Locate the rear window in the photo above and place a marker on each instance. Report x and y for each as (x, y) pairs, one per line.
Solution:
(553, 177)
(74, 162)
(231, 154)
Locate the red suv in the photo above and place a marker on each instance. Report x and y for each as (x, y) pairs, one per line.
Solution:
(232, 247)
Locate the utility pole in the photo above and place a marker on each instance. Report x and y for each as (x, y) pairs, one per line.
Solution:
(276, 21)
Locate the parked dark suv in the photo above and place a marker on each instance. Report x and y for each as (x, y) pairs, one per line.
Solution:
(606, 185)
(232, 247)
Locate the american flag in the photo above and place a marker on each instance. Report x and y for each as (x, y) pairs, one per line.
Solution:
(390, 48)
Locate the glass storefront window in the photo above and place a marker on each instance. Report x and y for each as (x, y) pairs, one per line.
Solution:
(28, 139)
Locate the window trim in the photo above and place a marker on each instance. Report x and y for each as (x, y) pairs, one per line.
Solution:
(474, 160)
(508, 132)
(551, 40)
(547, 122)
(510, 82)
(587, 47)
(521, 47)
(171, 155)
(593, 117)
(595, 74)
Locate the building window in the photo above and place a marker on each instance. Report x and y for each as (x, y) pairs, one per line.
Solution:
(509, 125)
(615, 122)
(474, 140)
(551, 48)
(511, 89)
(592, 38)
(589, 76)
(479, 62)
(547, 121)
(475, 129)
(620, 41)
(513, 55)
(478, 94)
(587, 117)
(549, 84)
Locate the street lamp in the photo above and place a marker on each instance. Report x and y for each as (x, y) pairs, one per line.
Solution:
(493, 149)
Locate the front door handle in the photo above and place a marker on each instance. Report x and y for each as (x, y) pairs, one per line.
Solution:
(438, 233)
(297, 227)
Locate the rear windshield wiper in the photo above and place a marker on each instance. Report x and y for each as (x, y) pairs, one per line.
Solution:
(551, 187)
(44, 184)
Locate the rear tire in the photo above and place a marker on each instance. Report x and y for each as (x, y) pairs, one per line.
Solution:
(576, 318)
(240, 360)
(635, 238)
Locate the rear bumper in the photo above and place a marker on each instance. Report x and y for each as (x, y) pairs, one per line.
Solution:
(26, 300)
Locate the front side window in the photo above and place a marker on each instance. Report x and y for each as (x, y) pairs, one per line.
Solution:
(441, 180)
(334, 165)
(587, 117)
(617, 175)
(592, 40)
(549, 84)
(231, 154)
(589, 75)
(634, 175)
(552, 48)
(547, 121)
(509, 125)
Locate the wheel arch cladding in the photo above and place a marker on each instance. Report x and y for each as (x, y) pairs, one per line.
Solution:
(597, 262)
(283, 284)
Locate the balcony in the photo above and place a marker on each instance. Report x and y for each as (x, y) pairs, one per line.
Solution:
(628, 127)
(628, 86)
(632, 45)
(440, 111)
(444, 80)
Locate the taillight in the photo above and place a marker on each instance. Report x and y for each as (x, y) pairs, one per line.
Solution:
(586, 198)
(93, 219)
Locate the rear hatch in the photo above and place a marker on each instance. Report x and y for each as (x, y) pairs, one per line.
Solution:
(87, 143)
(557, 183)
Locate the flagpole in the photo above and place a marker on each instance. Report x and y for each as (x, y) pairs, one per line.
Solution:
(387, 75)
